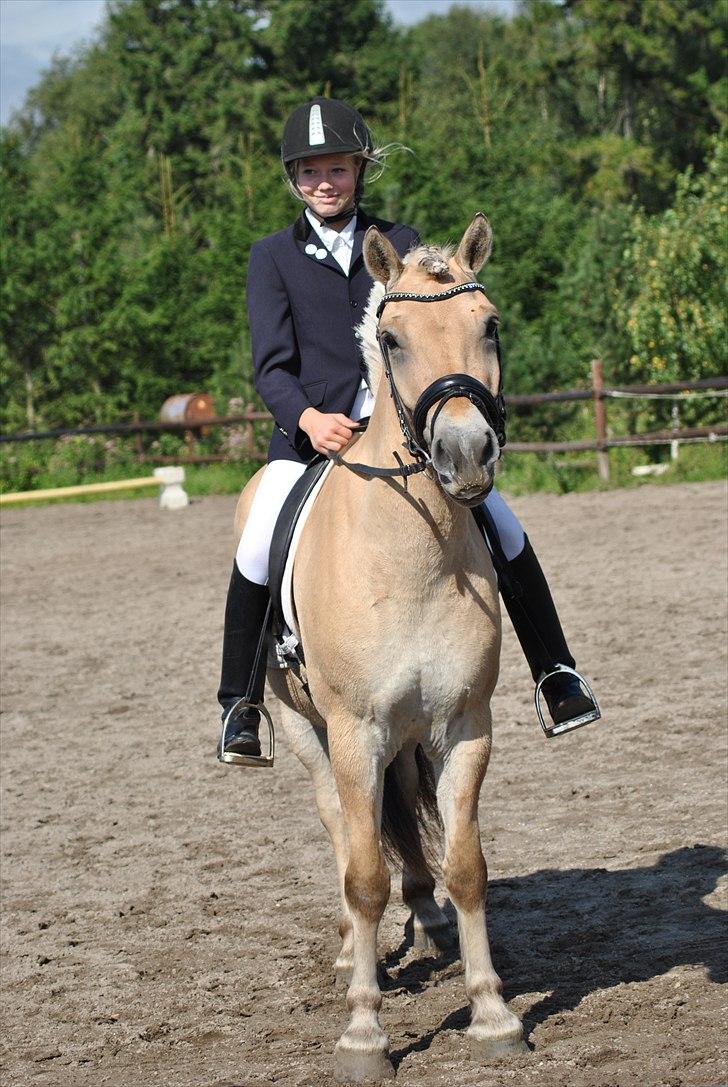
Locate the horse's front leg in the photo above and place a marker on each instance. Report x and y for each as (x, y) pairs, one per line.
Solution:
(362, 1051)
(310, 745)
(494, 1029)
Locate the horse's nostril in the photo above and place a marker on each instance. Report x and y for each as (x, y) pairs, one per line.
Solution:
(441, 455)
(488, 451)
(444, 459)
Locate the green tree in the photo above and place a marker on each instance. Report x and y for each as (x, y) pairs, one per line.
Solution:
(141, 170)
(674, 299)
(658, 67)
(26, 319)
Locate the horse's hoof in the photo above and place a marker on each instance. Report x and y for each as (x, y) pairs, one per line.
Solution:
(362, 1065)
(435, 938)
(491, 1048)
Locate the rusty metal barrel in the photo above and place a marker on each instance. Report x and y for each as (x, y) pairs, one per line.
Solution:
(190, 408)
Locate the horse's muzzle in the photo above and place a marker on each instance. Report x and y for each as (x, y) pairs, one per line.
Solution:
(469, 496)
(464, 450)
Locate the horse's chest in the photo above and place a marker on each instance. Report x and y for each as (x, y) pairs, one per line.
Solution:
(426, 662)
(401, 638)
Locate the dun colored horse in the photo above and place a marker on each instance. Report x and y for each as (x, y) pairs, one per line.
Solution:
(397, 606)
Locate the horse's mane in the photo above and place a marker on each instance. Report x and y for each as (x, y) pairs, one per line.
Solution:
(435, 260)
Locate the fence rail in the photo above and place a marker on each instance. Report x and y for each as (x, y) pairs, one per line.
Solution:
(599, 394)
(670, 390)
(656, 437)
(154, 426)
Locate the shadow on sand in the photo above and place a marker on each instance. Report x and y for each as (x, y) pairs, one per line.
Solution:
(580, 930)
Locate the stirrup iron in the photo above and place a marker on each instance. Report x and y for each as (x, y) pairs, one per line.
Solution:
(232, 757)
(551, 729)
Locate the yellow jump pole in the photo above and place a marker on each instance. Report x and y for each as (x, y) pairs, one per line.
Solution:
(170, 480)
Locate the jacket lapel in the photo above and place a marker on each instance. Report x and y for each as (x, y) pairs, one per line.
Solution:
(363, 222)
(310, 244)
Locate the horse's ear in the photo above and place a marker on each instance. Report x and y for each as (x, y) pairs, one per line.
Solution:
(475, 245)
(381, 258)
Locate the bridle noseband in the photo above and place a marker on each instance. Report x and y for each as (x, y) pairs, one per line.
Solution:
(492, 408)
(454, 385)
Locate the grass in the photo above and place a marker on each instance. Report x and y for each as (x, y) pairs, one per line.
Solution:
(199, 480)
(562, 473)
(219, 478)
(520, 473)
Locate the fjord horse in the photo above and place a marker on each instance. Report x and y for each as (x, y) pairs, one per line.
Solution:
(397, 606)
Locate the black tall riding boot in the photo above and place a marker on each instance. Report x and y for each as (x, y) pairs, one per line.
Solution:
(539, 631)
(245, 616)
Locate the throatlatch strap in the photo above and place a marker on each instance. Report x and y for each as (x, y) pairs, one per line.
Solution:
(383, 473)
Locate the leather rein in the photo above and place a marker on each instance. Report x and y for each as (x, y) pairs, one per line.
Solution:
(492, 408)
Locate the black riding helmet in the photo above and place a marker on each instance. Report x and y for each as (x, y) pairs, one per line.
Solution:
(325, 126)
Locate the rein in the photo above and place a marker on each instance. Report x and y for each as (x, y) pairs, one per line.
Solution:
(492, 408)
(370, 470)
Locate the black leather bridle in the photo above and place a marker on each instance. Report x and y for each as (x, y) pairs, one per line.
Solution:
(492, 408)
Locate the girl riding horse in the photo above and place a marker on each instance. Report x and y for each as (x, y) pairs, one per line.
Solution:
(307, 291)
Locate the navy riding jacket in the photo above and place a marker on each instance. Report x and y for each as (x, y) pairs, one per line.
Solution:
(303, 312)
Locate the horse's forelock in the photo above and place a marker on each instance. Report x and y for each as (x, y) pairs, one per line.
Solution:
(435, 259)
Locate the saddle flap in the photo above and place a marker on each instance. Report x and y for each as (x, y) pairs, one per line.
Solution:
(283, 535)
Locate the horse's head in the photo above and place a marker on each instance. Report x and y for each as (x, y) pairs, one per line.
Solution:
(442, 357)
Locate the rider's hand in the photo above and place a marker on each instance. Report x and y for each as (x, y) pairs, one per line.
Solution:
(329, 433)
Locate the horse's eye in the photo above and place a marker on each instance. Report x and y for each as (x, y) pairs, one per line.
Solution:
(389, 341)
(491, 328)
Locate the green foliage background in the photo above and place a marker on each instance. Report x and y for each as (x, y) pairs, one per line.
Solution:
(139, 172)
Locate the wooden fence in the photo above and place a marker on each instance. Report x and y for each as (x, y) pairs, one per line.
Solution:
(598, 394)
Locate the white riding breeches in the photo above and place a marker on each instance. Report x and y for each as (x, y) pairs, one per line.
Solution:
(273, 489)
(510, 530)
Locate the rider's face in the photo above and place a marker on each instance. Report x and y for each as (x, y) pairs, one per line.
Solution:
(327, 182)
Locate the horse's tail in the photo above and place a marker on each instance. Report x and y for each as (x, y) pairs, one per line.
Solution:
(410, 832)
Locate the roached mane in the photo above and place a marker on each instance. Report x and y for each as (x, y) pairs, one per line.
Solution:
(435, 260)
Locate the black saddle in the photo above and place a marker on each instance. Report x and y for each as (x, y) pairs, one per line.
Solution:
(283, 535)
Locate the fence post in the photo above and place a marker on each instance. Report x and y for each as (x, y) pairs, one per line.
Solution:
(675, 445)
(600, 417)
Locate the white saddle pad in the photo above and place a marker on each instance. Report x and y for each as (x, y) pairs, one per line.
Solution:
(292, 634)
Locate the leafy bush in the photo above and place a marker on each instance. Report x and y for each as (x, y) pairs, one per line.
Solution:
(65, 462)
(674, 298)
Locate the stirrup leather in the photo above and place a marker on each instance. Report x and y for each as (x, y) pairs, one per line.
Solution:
(575, 722)
(232, 757)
